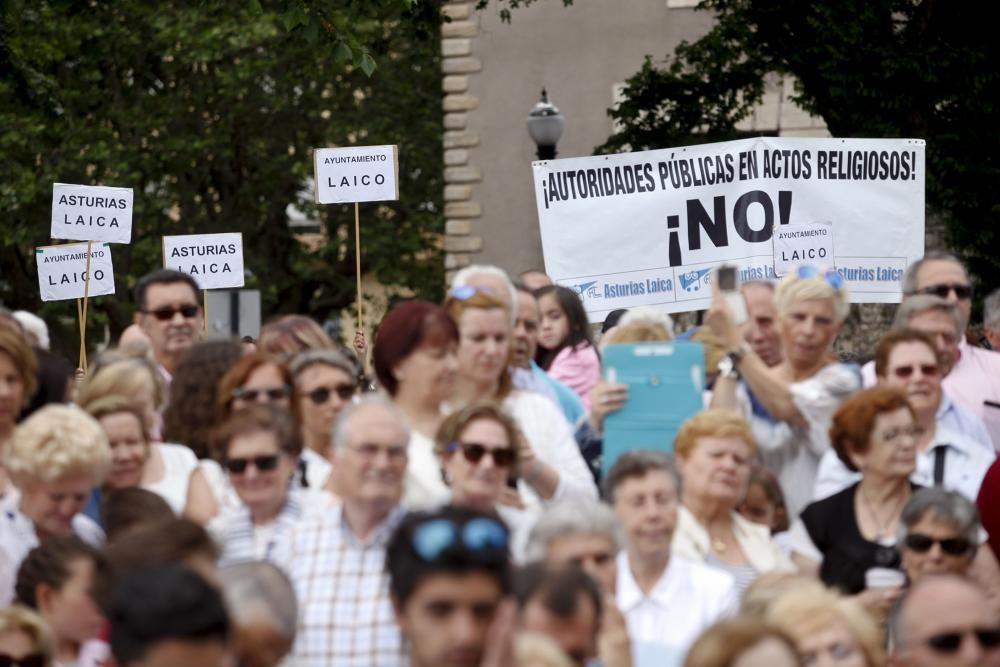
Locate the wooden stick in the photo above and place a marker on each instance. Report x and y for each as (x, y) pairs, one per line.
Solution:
(204, 314)
(79, 319)
(357, 257)
(83, 319)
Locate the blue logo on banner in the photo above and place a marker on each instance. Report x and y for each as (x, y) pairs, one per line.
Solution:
(690, 280)
(587, 290)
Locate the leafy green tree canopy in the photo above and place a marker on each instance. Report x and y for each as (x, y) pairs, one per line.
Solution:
(870, 68)
(209, 111)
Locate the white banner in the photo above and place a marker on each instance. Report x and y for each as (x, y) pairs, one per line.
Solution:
(214, 260)
(62, 271)
(91, 213)
(356, 174)
(646, 229)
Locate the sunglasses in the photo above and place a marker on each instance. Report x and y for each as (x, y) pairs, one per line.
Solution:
(321, 395)
(832, 278)
(468, 291)
(433, 538)
(474, 453)
(30, 660)
(962, 292)
(167, 313)
(953, 546)
(950, 642)
(238, 466)
(272, 393)
(927, 370)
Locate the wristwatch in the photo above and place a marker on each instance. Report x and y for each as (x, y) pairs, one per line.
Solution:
(727, 367)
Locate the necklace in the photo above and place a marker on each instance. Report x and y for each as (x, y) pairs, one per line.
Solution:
(883, 529)
(719, 545)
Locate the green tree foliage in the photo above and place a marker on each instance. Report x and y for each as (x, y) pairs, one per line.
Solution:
(209, 111)
(869, 68)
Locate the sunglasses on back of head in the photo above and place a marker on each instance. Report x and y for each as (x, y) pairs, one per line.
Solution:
(832, 278)
(434, 537)
(168, 312)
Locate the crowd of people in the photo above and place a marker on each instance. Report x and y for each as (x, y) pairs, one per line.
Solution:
(443, 499)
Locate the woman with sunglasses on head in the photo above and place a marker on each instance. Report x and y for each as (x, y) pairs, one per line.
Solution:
(558, 469)
(908, 360)
(25, 639)
(259, 449)
(481, 450)
(789, 406)
(415, 362)
(323, 382)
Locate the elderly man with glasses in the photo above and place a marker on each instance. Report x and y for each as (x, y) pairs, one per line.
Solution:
(946, 621)
(337, 562)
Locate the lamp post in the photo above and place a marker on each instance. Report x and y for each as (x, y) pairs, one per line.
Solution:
(545, 125)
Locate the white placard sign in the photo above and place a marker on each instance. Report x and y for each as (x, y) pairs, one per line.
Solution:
(803, 244)
(214, 260)
(356, 174)
(91, 213)
(646, 229)
(62, 271)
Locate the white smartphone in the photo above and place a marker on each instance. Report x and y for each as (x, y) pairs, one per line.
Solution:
(728, 280)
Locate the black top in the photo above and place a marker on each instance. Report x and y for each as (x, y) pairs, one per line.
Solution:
(847, 555)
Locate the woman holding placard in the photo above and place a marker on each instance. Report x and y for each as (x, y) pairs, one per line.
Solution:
(800, 394)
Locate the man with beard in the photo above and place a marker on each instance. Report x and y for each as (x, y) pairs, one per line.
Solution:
(169, 313)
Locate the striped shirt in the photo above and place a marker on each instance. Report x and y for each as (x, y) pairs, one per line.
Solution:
(345, 613)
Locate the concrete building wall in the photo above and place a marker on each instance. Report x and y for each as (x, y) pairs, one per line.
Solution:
(494, 74)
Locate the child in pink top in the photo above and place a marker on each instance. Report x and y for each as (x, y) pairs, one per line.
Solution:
(565, 347)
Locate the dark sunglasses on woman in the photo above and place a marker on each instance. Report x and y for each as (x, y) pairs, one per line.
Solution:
(321, 395)
(953, 546)
(474, 453)
(272, 393)
(30, 660)
(238, 466)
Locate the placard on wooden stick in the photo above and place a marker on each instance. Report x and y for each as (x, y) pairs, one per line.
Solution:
(356, 174)
(215, 261)
(91, 213)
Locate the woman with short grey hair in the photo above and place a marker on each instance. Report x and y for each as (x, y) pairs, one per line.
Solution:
(939, 533)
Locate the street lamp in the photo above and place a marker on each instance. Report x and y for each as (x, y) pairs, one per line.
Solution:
(545, 125)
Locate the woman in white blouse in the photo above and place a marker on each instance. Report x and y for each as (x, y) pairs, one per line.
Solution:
(484, 325)
(259, 449)
(713, 451)
(789, 406)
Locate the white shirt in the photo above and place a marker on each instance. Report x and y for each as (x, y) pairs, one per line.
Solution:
(424, 486)
(794, 453)
(178, 464)
(551, 439)
(965, 465)
(688, 598)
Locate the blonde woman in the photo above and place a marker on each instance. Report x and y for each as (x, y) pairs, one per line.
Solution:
(56, 456)
(714, 450)
(828, 628)
(25, 638)
(790, 405)
(107, 393)
(164, 469)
